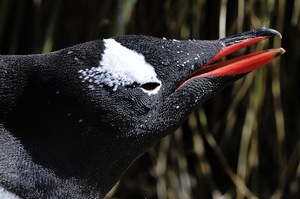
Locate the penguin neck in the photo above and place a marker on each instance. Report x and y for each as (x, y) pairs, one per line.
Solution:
(73, 150)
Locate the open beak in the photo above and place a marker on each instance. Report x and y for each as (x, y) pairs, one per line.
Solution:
(243, 64)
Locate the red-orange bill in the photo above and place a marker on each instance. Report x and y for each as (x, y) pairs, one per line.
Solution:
(240, 65)
(243, 64)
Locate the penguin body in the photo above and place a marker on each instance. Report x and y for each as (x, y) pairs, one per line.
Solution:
(73, 121)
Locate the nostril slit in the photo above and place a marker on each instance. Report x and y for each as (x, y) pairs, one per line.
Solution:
(150, 86)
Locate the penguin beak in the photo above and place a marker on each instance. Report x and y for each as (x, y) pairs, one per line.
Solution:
(243, 64)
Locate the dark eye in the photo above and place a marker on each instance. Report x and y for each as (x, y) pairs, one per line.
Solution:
(150, 86)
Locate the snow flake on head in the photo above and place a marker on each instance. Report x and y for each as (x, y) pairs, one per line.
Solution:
(119, 66)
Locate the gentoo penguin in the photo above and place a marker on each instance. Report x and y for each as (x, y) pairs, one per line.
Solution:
(73, 121)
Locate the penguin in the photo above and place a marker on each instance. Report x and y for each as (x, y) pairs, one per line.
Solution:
(73, 121)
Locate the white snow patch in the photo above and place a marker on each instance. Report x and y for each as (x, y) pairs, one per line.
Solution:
(120, 66)
(223, 44)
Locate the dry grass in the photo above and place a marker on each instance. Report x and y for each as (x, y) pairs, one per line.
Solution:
(243, 143)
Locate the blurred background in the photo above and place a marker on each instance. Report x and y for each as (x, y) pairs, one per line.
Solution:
(242, 143)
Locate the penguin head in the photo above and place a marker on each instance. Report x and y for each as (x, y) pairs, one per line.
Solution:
(153, 84)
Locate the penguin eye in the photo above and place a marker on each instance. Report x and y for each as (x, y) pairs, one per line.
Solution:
(150, 86)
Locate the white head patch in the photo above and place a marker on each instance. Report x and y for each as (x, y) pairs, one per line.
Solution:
(120, 66)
